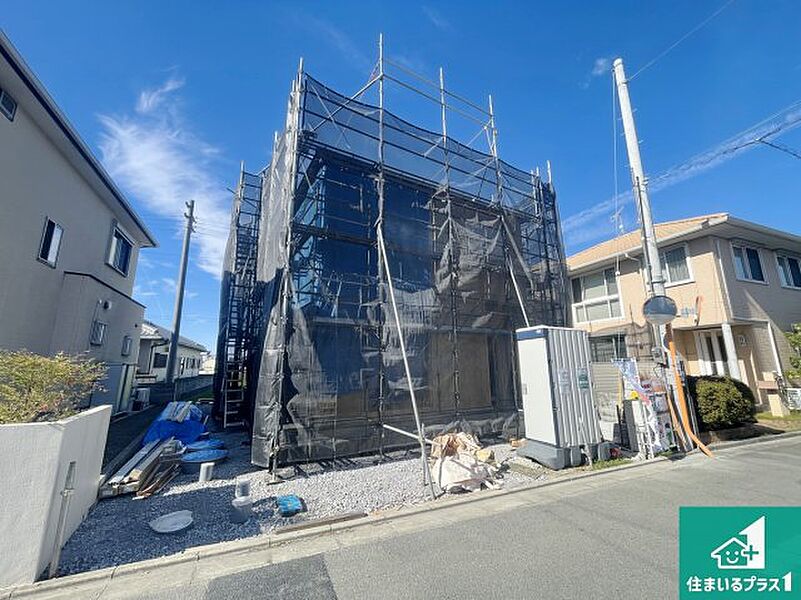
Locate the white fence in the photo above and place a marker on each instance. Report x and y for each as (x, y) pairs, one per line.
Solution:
(33, 469)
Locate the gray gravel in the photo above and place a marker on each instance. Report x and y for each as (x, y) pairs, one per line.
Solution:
(116, 531)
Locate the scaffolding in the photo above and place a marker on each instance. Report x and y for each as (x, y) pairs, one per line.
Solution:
(394, 265)
(240, 304)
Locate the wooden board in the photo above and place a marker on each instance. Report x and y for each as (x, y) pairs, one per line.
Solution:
(126, 468)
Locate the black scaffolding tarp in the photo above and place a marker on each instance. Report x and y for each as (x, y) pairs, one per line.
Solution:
(468, 238)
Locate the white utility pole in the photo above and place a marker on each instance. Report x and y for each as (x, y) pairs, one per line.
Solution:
(653, 266)
(179, 292)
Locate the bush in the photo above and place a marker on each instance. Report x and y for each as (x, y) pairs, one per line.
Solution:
(722, 402)
(44, 388)
(794, 339)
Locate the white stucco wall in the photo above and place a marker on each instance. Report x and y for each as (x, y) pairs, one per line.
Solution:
(36, 457)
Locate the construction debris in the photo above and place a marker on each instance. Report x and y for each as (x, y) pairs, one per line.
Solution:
(462, 464)
(180, 420)
(148, 471)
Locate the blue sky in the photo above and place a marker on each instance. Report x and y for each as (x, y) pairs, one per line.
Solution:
(172, 95)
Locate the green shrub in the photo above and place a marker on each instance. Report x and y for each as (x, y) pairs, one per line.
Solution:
(722, 402)
(794, 339)
(44, 388)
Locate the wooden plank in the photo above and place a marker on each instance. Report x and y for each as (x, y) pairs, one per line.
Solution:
(159, 480)
(126, 468)
(147, 463)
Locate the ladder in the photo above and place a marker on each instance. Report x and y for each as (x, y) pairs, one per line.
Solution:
(242, 302)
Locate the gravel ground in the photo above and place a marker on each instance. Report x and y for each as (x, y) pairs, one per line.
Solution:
(116, 531)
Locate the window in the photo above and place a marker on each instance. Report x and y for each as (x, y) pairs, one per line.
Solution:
(607, 348)
(747, 264)
(51, 242)
(8, 106)
(789, 271)
(595, 296)
(159, 360)
(675, 266)
(120, 253)
(98, 334)
(127, 342)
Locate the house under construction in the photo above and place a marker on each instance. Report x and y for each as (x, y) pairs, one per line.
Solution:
(375, 274)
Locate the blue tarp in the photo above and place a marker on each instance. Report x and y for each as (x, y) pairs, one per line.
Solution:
(187, 431)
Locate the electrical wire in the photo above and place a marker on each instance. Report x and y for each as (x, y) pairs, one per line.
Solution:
(695, 29)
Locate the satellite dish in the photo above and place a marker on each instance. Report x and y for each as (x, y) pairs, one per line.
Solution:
(659, 310)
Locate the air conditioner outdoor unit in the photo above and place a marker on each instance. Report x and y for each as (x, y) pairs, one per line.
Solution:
(142, 398)
(558, 407)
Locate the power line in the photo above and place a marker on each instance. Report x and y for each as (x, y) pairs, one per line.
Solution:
(781, 147)
(662, 54)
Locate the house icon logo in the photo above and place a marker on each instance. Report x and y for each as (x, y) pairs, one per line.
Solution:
(746, 550)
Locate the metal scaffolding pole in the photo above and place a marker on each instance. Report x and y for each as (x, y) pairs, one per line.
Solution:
(452, 272)
(386, 273)
(286, 279)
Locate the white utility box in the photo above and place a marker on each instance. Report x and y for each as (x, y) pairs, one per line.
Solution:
(556, 386)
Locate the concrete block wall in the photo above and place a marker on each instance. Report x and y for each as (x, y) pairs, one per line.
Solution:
(33, 470)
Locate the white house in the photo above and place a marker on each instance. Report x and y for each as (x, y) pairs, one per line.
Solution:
(154, 347)
(69, 239)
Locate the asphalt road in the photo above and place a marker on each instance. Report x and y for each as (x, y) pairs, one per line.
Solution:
(613, 536)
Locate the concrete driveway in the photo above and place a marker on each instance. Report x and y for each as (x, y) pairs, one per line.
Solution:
(612, 535)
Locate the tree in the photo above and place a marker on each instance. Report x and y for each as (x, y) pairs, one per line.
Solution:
(794, 338)
(44, 388)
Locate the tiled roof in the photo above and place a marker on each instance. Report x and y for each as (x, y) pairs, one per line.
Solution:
(159, 332)
(631, 241)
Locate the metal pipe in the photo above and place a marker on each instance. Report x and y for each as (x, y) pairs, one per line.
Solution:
(408, 434)
(517, 292)
(383, 251)
(66, 496)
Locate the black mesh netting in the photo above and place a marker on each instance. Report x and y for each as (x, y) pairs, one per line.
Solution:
(460, 228)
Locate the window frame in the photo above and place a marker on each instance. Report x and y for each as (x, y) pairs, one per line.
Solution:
(45, 261)
(127, 345)
(687, 262)
(9, 116)
(787, 256)
(156, 357)
(98, 325)
(606, 299)
(744, 247)
(112, 249)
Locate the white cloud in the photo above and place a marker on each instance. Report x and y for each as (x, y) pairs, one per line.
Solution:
(594, 223)
(158, 160)
(339, 40)
(601, 66)
(436, 19)
(149, 100)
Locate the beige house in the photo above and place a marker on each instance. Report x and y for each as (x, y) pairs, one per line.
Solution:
(154, 347)
(69, 240)
(737, 286)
